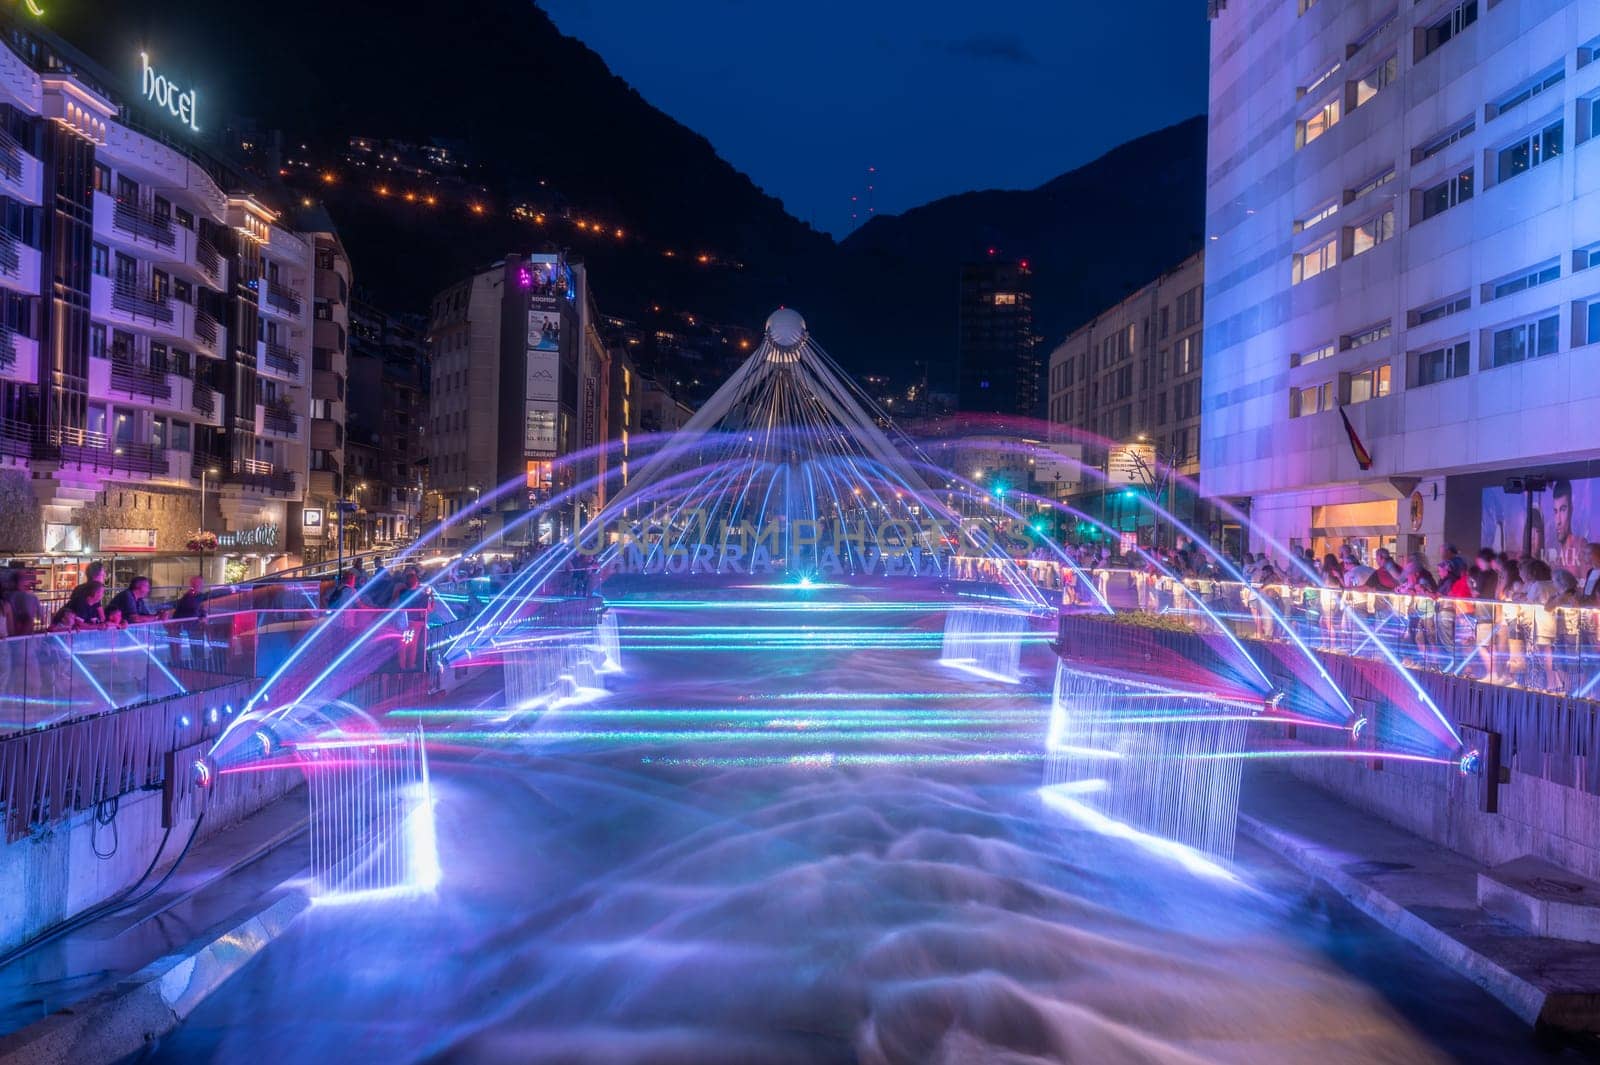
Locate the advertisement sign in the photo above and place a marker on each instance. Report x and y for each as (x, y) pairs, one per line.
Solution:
(311, 517)
(1564, 514)
(62, 539)
(265, 535)
(544, 329)
(539, 434)
(118, 541)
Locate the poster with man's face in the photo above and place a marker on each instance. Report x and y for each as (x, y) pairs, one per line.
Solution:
(1563, 517)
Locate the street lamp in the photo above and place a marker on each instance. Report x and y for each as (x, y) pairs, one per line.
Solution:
(204, 471)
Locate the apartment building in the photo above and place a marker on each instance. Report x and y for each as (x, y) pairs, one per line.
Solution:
(330, 375)
(998, 351)
(1403, 206)
(387, 426)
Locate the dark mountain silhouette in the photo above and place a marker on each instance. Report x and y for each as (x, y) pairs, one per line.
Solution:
(1090, 236)
(532, 105)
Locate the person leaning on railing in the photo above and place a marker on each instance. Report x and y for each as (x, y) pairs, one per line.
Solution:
(83, 609)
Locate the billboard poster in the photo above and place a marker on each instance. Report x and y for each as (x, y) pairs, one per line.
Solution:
(539, 432)
(544, 329)
(1564, 516)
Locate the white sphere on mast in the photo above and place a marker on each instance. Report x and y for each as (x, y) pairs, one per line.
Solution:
(786, 329)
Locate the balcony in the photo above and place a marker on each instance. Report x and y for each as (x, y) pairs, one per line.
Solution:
(140, 302)
(252, 473)
(278, 359)
(204, 400)
(280, 299)
(17, 438)
(19, 265)
(211, 265)
(159, 240)
(88, 450)
(21, 175)
(207, 334)
(326, 434)
(132, 303)
(278, 417)
(143, 224)
(129, 374)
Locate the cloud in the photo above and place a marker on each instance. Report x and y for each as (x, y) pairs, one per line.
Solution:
(994, 48)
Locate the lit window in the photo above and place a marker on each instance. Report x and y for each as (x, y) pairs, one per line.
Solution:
(1315, 260)
(1005, 299)
(1373, 82)
(1370, 185)
(1313, 400)
(1361, 338)
(1326, 351)
(1317, 123)
(1326, 211)
(1319, 80)
(1368, 384)
(1369, 234)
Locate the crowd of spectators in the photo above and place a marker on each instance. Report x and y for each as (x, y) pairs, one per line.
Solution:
(86, 607)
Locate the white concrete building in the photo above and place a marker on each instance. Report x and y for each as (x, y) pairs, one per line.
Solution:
(1403, 201)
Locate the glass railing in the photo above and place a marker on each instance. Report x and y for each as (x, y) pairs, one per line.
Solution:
(53, 677)
(1552, 646)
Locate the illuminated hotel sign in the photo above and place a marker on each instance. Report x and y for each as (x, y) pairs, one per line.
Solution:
(162, 92)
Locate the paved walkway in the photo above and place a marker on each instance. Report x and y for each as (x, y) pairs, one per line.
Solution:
(1424, 893)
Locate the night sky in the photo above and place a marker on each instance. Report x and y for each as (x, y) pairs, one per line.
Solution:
(940, 96)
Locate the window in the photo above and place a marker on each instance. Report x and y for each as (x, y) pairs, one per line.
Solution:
(97, 340)
(1534, 86)
(1317, 123)
(324, 311)
(1313, 400)
(1367, 384)
(1318, 82)
(1373, 82)
(1525, 340)
(1372, 184)
(1369, 234)
(1527, 152)
(1444, 29)
(1522, 280)
(1439, 198)
(1306, 5)
(1586, 256)
(184, 218)
(325, 259)
(1326, 351)
(1440, 364)
(1186, 354)
(1315, 260)
(100, 260)
(1326, 211)
(1189, 308)
(1588, 118)
(1361, 338)
(1433, 147)
(1443, 309)
(1587, 318)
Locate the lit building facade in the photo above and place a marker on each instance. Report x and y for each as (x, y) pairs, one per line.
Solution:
(156, 345)
(1131, 378)
(1403, 203)
(520, 379)
(997, 350)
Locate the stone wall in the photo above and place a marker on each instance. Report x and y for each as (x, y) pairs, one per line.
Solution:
(21, 525)
(173, 512)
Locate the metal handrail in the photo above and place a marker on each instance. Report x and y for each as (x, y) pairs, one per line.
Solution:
(282, 359)
(144, 223)
(283, 297)
(139, 301)
(10, 156)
